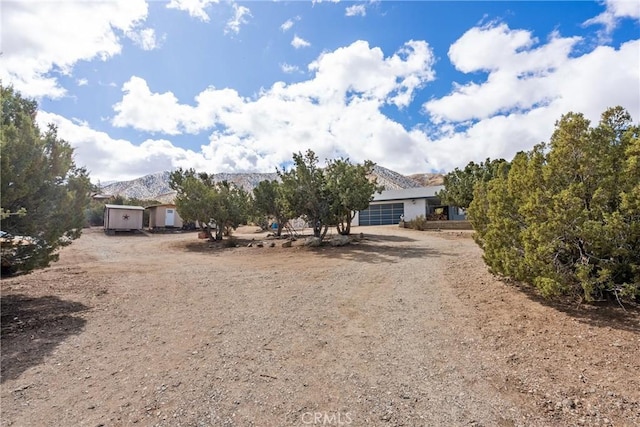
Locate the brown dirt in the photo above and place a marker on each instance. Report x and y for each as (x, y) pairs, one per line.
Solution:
(405, 328)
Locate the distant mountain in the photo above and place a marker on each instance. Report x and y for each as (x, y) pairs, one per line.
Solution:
(392, 180)
(156, 186)
(428, 179)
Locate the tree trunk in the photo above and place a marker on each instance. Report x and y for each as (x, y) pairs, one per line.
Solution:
(279, 230)
(324, 232)
(344, 227)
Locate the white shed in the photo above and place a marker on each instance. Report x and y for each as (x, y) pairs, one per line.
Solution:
(123, 217)
(164, 216)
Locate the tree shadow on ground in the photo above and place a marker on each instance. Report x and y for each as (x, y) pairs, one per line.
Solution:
(388, 238)
(374, 251)
(601, 314)
(32, 327)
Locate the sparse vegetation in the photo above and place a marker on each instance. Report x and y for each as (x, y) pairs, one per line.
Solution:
(418, 223)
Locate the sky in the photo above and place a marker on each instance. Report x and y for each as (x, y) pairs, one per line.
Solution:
(138, 87)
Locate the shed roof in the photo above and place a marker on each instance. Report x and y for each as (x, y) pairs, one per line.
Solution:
(162, 205)
(129, 207)
(408, 193)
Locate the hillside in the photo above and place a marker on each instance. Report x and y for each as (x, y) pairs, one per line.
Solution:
(156, 185)
(428, 179)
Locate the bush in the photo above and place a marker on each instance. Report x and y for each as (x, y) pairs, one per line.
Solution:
(566, 216)
(418, 223)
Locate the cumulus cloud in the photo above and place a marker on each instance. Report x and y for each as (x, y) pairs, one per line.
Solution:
(107, 158)
(356, 10)
(528, 87)
(240, 17)
(161, 112)
(195, 8)
(327, 113)
(299, 42)
(52, 42)
(82, 82)
(616, 10)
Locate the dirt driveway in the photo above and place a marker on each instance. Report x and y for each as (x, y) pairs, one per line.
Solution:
(405, 328)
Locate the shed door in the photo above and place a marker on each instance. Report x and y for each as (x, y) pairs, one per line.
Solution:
(169, 217)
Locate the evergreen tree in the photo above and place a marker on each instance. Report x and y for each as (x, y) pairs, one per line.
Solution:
(199, 198)
(460, 183)
(269, 204)
(43, 192)
(351, 190)
(565, 217)
(305, 194)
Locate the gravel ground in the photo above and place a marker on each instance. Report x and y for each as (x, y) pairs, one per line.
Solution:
(402, 328)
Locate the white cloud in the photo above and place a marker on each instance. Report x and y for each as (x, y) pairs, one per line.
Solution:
(615, 11)
(82, 82)
(286, 25)
(327, 113)
(155, 112)
(52, 42)
(240, 15)
(339, 109)
(195, 8)
(287, 68)
(298, 42)
(356, 10)
(528, 87)
(145, 39)
(117, 159)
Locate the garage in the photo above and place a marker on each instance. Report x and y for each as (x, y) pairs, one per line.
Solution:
(382, 214)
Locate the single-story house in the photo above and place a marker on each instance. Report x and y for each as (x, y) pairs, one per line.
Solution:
(123, 217)
(164, 216)
(392, 206)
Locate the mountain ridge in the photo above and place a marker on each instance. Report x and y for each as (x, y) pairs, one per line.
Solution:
(155, 186)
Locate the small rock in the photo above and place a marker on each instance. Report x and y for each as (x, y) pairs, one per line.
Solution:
(260, 244)
(313, 242)
(286, 244)
(568, 404)
(340, 241)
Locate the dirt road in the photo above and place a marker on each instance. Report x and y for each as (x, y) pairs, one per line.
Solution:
(404, 328)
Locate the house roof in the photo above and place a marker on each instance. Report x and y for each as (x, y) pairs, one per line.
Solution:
(408, 193)
(129, 207)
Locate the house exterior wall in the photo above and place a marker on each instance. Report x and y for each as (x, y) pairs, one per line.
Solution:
(158, 215)
(123, 218)
(414, 208)
(415, 202)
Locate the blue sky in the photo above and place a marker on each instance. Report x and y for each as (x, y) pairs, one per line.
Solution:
(138, 87)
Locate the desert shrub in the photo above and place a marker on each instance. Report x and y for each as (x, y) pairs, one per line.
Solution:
(418, 223)
(566, 216)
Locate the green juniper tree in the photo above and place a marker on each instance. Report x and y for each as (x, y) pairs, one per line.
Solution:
(43, 192)
(565, 218)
